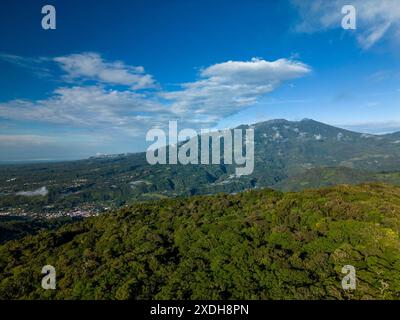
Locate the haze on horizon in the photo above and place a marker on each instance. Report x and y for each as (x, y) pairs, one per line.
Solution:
(90, 87)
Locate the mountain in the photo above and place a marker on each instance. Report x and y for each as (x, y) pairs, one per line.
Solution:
(289, 155)
(12, 228)
(308, 143)
(260, 244)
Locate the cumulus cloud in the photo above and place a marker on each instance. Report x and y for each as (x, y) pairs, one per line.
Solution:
(221, 90)
(375, 19)
(225, 88)
(39, 192)
(86, 107)
(91, 66)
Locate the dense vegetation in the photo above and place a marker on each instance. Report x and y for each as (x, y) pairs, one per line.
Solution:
(288, 156)
(254, 245)
(17, 227)
(331, 176)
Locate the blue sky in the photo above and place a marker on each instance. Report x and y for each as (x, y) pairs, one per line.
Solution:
(113, 70)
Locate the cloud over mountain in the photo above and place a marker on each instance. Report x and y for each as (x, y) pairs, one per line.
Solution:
(225, 88)
(221, 90)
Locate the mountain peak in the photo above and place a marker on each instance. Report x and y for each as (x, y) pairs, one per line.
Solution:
(271, 122)
(308, 120)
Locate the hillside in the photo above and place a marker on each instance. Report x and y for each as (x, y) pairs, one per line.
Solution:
(330, 176)
(254, 245)
(286, 152)
(17, 227)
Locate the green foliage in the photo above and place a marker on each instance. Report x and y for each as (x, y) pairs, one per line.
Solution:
(289, 156)
(253, 245)
(18, 227)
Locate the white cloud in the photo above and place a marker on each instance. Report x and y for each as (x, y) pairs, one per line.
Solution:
(375, 19)
(222, 90)
(225, 88)
(37, 65)
(86, 107)
(39, 192)
(91, 66)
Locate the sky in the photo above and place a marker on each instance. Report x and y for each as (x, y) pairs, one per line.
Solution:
(113, 70)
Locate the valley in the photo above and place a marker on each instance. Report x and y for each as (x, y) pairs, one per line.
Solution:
(289, 156)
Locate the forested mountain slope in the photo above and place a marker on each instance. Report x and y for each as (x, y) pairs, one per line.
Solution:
(254, 245)
(286, 152)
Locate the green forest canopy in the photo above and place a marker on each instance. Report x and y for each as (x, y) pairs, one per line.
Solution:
(254, 245)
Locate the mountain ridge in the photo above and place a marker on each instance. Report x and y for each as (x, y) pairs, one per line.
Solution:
(285, 152)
